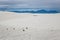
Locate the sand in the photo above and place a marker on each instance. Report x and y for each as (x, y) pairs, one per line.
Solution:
(27, 26)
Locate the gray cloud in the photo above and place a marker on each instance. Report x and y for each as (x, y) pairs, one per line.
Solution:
(43, 4)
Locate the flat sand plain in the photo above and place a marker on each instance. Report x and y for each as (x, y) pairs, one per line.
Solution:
(27, 26)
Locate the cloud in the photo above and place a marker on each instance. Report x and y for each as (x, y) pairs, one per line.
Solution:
(43, 4)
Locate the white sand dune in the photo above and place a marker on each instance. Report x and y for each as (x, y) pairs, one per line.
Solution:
(15, 26)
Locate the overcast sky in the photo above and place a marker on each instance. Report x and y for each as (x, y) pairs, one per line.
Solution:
(43, 4)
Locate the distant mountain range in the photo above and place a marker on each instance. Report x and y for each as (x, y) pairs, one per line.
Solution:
(28, 10)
